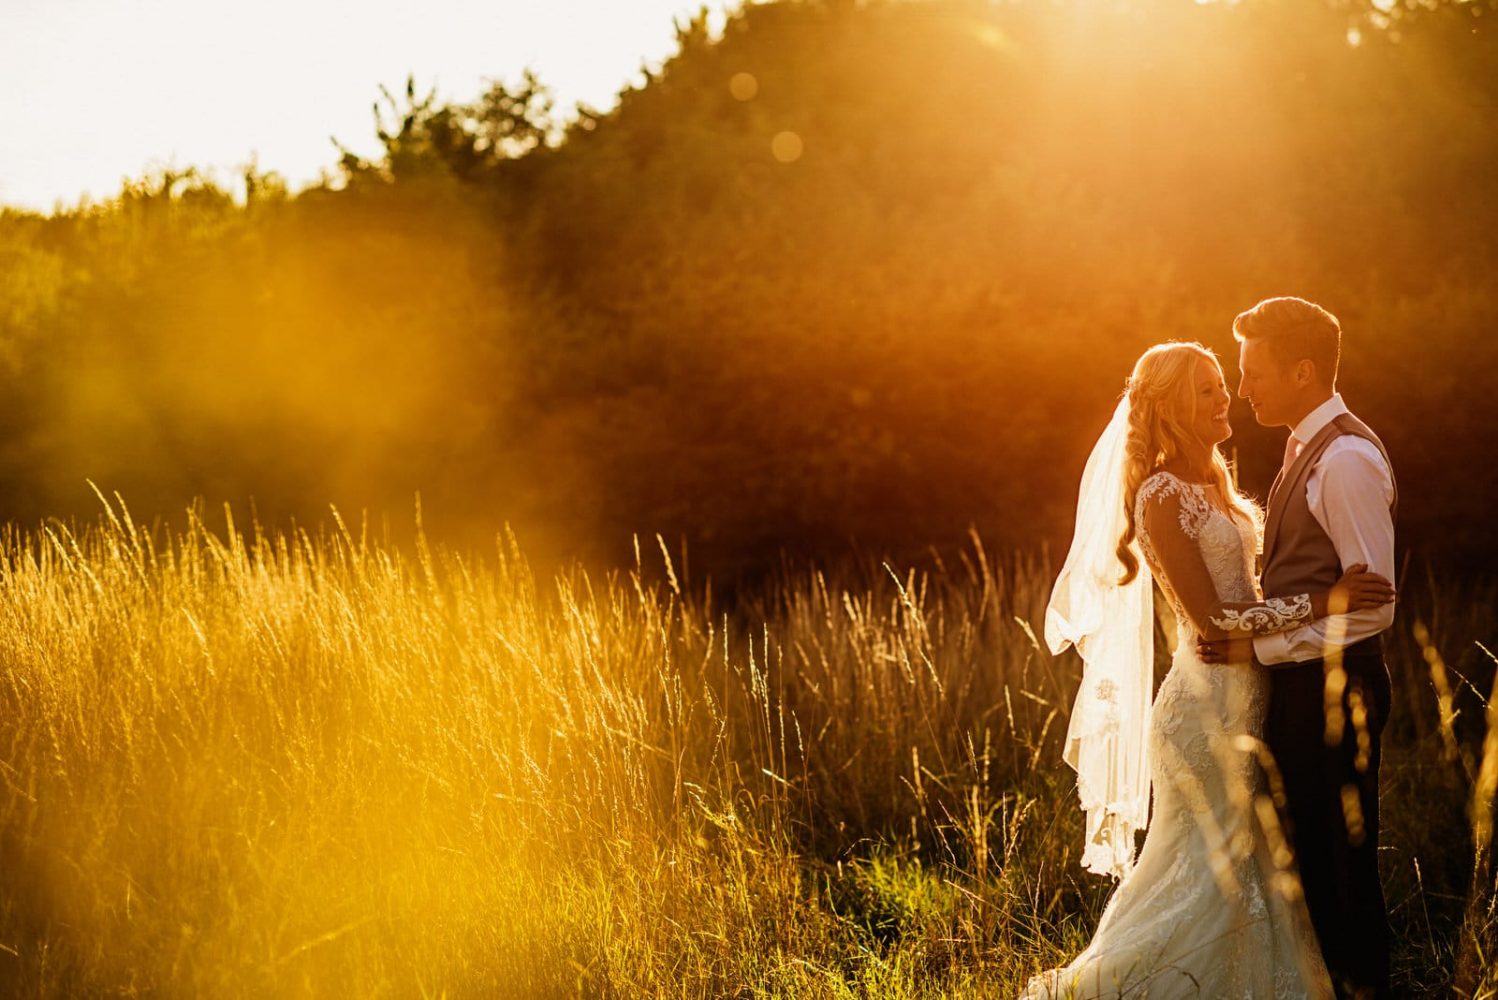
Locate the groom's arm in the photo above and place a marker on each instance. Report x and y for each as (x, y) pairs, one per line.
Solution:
(1349, 496)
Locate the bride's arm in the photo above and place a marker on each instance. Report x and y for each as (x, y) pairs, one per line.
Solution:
(1170, 529)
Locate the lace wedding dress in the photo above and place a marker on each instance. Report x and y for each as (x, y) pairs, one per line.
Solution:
(1206, 911)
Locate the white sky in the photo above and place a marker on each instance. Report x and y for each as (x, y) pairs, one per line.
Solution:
(94, 91)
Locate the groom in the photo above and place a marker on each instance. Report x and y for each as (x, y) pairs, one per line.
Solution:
(1331, 506)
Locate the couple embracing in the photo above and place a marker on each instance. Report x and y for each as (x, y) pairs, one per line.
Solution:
(1258, 876)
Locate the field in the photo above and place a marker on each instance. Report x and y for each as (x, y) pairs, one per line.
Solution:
(316, 763)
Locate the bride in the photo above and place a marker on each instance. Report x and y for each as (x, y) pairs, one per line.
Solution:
(1211, 908)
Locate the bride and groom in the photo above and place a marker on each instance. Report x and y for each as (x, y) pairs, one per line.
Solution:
(1258, 876)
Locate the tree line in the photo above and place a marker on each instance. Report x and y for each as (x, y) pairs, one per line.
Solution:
(845, 273)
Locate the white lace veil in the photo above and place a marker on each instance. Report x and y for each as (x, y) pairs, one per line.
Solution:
(1112, 626)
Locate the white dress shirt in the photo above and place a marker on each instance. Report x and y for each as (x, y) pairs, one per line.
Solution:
(1349, 490)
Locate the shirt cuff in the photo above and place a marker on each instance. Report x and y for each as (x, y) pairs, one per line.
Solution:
(1273, 648)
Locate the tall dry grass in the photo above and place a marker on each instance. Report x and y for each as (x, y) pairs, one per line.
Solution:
(248, 764)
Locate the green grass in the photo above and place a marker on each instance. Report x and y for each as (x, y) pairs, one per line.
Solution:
(313, 765)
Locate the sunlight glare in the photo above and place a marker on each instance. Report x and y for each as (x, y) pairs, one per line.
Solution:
(164, 84)
(743, 86)
(991, 37)
(786, 147)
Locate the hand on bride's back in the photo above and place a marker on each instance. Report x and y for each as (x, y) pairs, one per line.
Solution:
(1359, 589)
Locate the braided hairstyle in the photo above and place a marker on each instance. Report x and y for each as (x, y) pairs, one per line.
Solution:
(1162, 410)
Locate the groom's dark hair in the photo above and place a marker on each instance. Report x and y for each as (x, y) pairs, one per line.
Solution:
(1294, 329)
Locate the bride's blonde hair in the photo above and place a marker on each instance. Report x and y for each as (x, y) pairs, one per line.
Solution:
(1163, 405)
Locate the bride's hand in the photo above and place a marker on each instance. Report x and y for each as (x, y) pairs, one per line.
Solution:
(1239, 650)
(1358, 590)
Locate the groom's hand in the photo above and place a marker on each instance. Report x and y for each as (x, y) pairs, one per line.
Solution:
(1238, 651)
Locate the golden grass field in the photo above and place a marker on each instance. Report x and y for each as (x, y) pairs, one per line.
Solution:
(240, 764)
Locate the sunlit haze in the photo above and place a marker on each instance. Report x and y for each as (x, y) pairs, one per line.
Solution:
(95, 91)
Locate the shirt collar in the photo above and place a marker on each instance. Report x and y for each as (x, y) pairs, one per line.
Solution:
(1313, 423)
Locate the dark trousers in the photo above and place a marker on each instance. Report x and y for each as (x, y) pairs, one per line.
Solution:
(1332, 809)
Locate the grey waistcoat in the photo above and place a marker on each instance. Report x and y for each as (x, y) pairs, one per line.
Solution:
(1298, 555)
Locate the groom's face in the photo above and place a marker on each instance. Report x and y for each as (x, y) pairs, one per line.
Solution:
(1269, 387)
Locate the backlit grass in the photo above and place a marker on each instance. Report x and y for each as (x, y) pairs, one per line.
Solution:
(310, 764)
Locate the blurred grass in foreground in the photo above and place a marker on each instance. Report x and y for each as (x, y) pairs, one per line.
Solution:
(247, 765)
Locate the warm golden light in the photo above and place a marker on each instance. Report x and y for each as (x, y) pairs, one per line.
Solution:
(991, 36)
(743, 86)
(787, 147)
(192, 83)
(743, 416)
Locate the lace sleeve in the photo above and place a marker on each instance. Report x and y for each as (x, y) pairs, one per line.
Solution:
(1170, 519)
(1275, 615)
(1190, 508)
